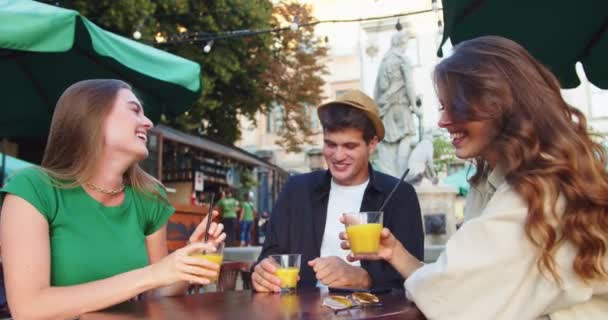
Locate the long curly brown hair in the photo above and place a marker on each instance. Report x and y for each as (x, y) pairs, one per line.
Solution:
(544, 144)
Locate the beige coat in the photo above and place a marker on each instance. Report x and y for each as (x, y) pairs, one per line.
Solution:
(488, 269)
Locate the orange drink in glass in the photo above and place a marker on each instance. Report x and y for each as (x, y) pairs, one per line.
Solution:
(288, 268)
(215, 257)
(363, 231)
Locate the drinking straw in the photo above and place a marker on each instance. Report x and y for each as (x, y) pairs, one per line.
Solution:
(394, 188)
(209, 218)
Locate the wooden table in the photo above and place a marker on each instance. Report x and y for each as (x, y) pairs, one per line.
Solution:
(305, 304)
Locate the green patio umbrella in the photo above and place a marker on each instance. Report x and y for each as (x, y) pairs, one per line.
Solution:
(460, 179)
(44, 49)
(557, 32)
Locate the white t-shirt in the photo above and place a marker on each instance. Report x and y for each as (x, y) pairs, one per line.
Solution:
(342, 199)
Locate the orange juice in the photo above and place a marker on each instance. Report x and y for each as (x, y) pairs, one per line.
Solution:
(213, 257)
(364, 238)
(288, 276)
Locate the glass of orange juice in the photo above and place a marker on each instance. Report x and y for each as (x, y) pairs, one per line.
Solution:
(363, 230)
(288, 268)
(217, 256)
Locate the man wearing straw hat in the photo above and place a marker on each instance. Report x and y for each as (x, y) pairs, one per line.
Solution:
(305, 218)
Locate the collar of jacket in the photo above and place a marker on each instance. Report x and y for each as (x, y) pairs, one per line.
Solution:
(322, 184)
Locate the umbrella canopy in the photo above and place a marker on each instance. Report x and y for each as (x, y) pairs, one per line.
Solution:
(557, 32)
(44, 49)
(460, 179)
(11, 165)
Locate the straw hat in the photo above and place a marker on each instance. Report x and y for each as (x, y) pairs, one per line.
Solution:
(359, 100)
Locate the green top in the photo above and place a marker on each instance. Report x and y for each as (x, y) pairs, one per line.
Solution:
(229, 206)
(247, 211)
(90, 241)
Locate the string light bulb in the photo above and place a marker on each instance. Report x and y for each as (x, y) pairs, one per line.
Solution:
(195, 37)
(137, 35)
(207, 47)
(398, 26)
(160, 38)
(294, 24)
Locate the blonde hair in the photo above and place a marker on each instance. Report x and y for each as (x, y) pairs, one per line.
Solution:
(76, 136)
(544, 145)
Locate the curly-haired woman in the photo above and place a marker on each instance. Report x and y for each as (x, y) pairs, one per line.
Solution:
(535, 240)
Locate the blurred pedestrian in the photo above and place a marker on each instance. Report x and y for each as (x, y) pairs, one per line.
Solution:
(263, 225)
(246, 221)
(228, 207)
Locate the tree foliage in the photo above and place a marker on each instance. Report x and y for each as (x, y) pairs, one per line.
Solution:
(295, 79)
(240, 76)
(443, 153)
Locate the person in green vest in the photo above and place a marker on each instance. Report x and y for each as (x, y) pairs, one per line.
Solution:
(246, 221)
(88, 229)
(228, 207)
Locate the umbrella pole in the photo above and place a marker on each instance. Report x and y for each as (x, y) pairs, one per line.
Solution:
(3, 171)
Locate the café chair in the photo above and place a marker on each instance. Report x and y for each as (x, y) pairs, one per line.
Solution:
(4, 311)
(229, 274)
(246, 277)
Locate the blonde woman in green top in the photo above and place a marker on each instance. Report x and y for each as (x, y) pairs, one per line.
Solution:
(88, 229)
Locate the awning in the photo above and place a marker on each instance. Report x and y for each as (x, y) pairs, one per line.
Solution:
(220, 149)
(44, 49)
(460, 179)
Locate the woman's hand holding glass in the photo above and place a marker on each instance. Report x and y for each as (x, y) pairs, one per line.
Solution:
(181, 266)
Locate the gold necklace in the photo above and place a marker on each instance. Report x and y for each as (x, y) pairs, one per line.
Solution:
(102, 190)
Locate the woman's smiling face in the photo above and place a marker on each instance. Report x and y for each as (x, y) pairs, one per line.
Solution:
(470, 138)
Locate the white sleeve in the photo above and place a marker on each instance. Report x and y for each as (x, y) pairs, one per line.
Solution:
(487, 271)
(596, 308)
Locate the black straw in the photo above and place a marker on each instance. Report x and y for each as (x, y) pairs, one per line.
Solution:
(209, 218)
(394, 188)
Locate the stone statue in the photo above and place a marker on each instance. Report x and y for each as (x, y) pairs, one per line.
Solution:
(395, 95)
(421, 162)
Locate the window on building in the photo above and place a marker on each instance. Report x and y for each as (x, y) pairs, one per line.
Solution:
(269, 122)
(313, 118)
(278, 120)
(274, 120)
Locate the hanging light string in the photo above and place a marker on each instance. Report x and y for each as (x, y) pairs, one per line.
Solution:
(209, 38)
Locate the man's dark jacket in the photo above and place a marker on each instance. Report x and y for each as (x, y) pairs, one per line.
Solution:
(298, 221)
